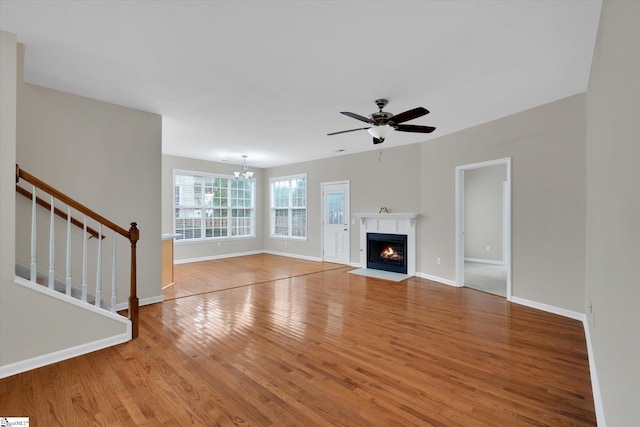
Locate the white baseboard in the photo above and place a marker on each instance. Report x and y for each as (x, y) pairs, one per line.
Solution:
(141, 302)
(308, 258)
(354, 264)
(595, 384)
(437, 279)
(67, 353)
(485, 261)
(549, 308)
(212, 257)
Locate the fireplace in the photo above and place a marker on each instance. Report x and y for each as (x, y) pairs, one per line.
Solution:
(387, 252)
(396, 225)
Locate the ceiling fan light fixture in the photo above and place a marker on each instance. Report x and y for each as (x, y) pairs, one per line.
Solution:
(381, 131)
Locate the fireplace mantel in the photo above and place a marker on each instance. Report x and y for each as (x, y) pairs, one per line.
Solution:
(389, 223)
(394, 216)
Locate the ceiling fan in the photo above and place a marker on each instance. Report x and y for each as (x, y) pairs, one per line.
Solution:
(384, 123)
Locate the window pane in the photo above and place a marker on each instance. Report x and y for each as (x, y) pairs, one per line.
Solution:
(188, 223)
(299, 193)
(299, 222)
(280, 194)
(335, 212)
(281, 222)
(241, 220)
(216, 223)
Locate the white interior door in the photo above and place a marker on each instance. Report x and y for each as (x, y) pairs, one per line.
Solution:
(335, 222)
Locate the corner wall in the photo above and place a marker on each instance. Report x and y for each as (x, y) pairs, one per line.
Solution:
(613, 212)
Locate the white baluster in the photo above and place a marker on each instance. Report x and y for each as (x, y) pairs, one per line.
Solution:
(99, 268)
(52, 273)
(113, 274)
(84, 260)
(68, 272)
(33, 237)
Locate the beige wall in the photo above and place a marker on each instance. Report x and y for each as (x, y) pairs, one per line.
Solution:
(184, 251)
(387, 177)
(483, 212)
(32, 324)
(546, 145)
(613, 210)
(105, 156)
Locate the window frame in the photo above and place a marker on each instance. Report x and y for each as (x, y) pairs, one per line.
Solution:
(290, 208)
(203, 207)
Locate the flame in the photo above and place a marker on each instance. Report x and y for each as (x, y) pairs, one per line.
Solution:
(389, 253)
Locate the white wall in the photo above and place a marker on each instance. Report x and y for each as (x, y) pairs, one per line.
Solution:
(483, 213)
(613, 210)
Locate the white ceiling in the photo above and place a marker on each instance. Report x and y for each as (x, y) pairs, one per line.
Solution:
(269, 78)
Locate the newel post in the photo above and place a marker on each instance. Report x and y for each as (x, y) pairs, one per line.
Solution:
(134, 236)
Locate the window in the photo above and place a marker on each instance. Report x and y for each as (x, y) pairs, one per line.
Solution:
(212, 206)
(289, 207)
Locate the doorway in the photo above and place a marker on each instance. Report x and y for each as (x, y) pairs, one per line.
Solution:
(483, 224)
(335, 222)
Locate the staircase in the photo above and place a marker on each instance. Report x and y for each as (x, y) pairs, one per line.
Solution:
(87, 270)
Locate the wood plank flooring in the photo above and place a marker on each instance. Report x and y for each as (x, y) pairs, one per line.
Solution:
(323, 349)
(208, 276)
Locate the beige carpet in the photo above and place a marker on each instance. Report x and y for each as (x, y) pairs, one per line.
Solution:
(486, 277)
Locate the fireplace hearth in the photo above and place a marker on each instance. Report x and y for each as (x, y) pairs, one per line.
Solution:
(387, 252)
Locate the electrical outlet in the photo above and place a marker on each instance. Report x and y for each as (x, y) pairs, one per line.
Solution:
(488, 248)
(438, 260)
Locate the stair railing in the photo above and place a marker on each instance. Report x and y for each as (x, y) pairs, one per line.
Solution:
(133, 235)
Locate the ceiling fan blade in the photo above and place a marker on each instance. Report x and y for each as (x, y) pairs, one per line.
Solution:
(345, 131)
(409, 115)
(356, 116)
(415, 128)
(378, 140)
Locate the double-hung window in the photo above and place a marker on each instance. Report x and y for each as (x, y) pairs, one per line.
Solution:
(288, 206)
(208, 206)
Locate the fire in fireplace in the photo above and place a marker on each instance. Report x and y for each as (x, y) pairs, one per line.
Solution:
(387, 252)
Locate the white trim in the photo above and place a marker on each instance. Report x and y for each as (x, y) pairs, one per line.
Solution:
(70, 300)
(228, 208)
(308, 258)
(347, 215)
(390, 223)
(212, 257)
(64, 354)
(237, 254)
(437, 279)
(141, 302)
(549, 308)
(459, 219)
(355, 264)
(595, 384)
(484, 261)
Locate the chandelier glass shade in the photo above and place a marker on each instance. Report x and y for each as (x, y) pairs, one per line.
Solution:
(245, 173)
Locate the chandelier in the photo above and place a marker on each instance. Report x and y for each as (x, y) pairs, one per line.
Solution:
(246, 173)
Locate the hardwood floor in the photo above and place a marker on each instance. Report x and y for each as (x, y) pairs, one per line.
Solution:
(208, 276)
(327, 349)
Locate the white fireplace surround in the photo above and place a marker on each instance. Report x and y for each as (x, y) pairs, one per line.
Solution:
(389, 223)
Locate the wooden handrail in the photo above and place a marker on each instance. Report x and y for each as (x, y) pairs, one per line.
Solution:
(133, 235)
(59, 212)
(22, 174)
